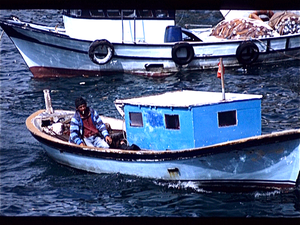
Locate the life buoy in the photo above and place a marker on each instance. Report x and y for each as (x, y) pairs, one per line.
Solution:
(189, 53)
(247, 53)
(101, 48)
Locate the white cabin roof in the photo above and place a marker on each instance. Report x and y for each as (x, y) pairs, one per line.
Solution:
(186, 98)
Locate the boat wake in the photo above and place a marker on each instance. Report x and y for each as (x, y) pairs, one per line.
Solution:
(196, 186)
(183, 185)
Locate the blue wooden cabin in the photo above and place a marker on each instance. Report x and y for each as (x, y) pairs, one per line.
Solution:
(188, 119)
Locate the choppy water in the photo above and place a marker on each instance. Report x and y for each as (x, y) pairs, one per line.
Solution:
(34, 185)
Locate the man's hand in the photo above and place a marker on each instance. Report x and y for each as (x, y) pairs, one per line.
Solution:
(82, 144)
(108, 140)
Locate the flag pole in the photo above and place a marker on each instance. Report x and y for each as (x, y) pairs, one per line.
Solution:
(222, 79)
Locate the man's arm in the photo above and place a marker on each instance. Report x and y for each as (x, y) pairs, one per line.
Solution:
(99, 124)
(75, 132)
(101, 127)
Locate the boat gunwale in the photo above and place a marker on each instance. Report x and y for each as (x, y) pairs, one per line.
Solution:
(14, 33)
(161, 155)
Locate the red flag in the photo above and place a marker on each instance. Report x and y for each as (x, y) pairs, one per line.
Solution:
(220, 74)
(220, 70)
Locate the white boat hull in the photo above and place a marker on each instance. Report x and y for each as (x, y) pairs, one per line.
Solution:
(268, 161)
(256, 165)
(51, 54)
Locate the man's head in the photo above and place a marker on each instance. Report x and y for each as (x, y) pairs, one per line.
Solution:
(80, 105)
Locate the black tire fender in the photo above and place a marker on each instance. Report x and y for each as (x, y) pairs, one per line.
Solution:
(101, 44)
(247, 53)
(183, 60)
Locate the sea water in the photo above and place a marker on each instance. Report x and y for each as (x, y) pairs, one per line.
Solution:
(32, 184)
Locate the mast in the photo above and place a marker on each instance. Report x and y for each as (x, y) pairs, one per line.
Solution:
(48, 103)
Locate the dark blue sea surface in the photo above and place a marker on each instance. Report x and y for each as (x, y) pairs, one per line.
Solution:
(32, 184)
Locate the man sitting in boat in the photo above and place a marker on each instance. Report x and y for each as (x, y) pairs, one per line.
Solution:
(86, 127)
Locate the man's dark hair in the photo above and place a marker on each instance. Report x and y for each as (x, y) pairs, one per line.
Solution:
(79, 101)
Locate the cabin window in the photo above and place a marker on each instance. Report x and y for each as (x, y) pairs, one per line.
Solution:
(113, 13)
(136, 119)
(145, 13)
(75, 12)
(128, 13)
(172, 122)
(97, 13)
(161, 13)
(227, 118)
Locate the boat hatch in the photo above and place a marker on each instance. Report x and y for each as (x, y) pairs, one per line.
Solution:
(174, 172)
(154, 67)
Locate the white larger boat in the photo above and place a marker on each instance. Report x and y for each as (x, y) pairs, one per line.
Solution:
(145, 42)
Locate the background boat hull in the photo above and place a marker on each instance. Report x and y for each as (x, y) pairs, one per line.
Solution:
(49, 54)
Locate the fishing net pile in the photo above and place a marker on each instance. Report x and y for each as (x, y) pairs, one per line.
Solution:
(285, 23)
(246, 28)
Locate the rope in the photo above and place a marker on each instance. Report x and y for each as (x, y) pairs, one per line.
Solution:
(123, 132)
(181, 17)
(1, 35)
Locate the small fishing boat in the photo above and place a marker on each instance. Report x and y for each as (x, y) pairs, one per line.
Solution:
(147, 42)
(209, 138)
